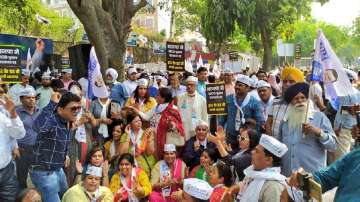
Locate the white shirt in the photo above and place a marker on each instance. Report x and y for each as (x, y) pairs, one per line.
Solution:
(10, 130)
(266, 107)
(130, 86)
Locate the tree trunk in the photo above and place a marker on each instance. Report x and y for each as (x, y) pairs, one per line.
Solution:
(267, 45)
(107, 24)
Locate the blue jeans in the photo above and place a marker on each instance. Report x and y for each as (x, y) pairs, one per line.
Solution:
(51, 184)
(8, 183)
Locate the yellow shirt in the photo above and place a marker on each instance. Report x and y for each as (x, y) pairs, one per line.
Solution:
(142, 179)
(76, 193)
(144, 108)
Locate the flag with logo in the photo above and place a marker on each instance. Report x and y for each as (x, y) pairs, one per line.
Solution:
(327, 68)
(96, 87)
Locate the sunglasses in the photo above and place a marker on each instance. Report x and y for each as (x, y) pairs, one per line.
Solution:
(75, 108)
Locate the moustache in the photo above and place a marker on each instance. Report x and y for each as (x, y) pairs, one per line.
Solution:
(299, 105)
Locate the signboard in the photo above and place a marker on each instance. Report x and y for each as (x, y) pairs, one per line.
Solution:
(285, 49)
(175, 56)
(65, 62)
(216, 99)
(233, 56)
(10, 70)
(10, 42)
(298, 51)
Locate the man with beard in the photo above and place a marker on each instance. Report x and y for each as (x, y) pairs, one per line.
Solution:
(16, 89)
(45, 91)
(289, 76)
(307, 140)
(118, 90)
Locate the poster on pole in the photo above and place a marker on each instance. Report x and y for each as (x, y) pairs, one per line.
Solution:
(175, 56)
(298, 51)
(216, 99)
(10, 63)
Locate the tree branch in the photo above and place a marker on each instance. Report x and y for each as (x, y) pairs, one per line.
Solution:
(137, 7)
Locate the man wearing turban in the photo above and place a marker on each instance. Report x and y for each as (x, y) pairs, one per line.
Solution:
(307, 134)
(118, 92)
(289, 76)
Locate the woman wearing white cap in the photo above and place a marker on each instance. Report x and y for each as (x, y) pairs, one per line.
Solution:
(90, 189)
(141, 100)
(167, 175)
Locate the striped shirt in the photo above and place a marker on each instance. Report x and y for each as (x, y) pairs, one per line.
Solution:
(277, 112)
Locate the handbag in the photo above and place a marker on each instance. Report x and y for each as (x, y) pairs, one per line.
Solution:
(173, 137)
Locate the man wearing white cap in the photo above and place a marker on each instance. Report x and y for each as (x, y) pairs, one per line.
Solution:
(118, 93)
(242, 108)
(229, 81)
(131, 83)
(16, 89)
(266, 97)
(167, 175)
(90, 189)
(253, 85)
(197, 144)
(66, 78)
(27, 112)
(192, 107)
(45, 91)
(263, 181)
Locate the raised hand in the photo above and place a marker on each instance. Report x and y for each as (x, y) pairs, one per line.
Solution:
(79, 167)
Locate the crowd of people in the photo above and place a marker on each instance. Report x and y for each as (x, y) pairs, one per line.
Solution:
(150, 138)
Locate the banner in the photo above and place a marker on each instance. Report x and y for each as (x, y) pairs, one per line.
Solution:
(328, 69)
(175, 56)
(216, 99)
(96, 86)
(10, 70)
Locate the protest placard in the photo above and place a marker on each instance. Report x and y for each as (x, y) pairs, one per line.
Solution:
(216, 99)
(10, 64)
(175, 56)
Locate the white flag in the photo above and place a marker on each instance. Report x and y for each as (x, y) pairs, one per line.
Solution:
(328, 69)
(97, 85)
(28, 60)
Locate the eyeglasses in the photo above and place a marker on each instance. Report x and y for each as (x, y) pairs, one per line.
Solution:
(243, 138)
(75, 108)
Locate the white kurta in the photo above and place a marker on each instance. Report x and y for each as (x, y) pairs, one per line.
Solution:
(192, 109)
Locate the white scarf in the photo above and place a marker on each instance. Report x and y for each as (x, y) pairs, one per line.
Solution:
(131, 195)
(240, 118)
(165, 172)
(92, 196)
(135, 142)
(251, 186)
(103, 127)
